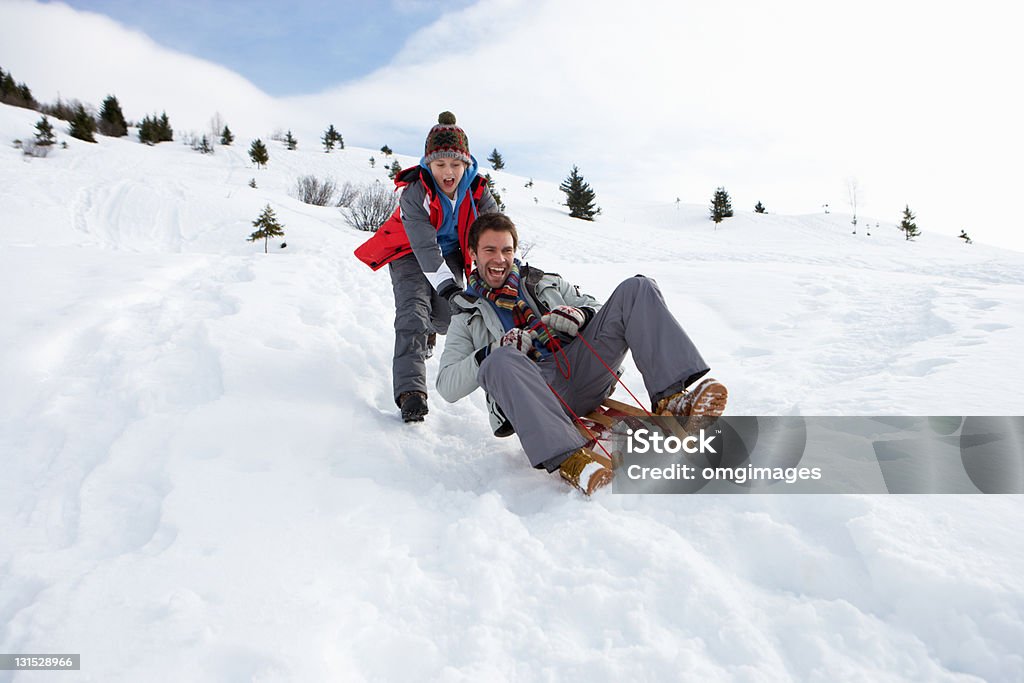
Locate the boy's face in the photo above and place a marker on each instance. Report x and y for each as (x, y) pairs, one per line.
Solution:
(494, 255)
(447, 174)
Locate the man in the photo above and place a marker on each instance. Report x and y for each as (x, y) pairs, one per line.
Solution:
(514, 332)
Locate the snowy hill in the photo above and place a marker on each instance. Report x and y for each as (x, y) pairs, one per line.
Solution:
(205, 477)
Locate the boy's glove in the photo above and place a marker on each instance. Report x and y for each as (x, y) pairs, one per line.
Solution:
(566, 320)
(449, 290)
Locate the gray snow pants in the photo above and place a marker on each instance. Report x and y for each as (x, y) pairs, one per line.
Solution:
(418, 312)
(635, 319)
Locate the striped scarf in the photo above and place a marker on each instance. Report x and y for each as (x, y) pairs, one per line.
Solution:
(507, 297)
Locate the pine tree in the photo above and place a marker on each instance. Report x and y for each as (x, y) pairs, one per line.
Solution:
(395, 169)
(258, 153)
(290, 141)
(15, 94)
(721, 206)
(154, 130)
(226, 136)
(267, 227)
(146, 133)
(164, 131)
(759, 208)
(494, 192)
(332, 137)
(579, 196)
(386, 151)
(44, 133)
(204, 146)
(497, 163)
(83, 126)
(112, 123)
(907, 225)
(373, 162)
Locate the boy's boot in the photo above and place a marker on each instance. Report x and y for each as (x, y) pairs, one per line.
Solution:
(584, 472)
(413, 405)
(700, 404)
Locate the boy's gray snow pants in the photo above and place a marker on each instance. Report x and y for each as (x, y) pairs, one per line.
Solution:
(418, 312)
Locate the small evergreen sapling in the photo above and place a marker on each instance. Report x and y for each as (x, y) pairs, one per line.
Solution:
(386, 151)
(258, 153)
(721, 206)
(112, 123)
(494, 192)
(907, 225)
(44, 133)
(226, 136)
(395, 169)
(83, 125)
(497, 163)
(579, 196)
(332, 137)
(266, 227)
(759, 208)
(290, 141)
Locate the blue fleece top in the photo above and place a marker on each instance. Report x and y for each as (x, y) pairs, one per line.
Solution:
(448, 232)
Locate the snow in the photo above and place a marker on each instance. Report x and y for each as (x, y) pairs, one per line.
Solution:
(205, 477)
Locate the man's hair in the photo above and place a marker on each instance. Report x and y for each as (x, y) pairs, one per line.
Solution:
(492, 221)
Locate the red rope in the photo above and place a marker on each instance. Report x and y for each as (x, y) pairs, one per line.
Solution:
(593, 437)
(613, 374)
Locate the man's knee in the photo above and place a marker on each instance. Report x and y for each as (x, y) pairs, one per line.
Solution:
(638, 284)
(499, 362)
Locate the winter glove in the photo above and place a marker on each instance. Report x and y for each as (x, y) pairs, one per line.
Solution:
(519, 339)
(449, 290)
(565, 320)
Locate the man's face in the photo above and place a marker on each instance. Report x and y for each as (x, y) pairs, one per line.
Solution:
(447, 174)
(494, 255)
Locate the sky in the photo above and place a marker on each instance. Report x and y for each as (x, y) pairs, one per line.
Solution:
(782, 103)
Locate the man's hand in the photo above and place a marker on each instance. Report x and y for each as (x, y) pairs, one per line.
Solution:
(518, 338)
(565, 320)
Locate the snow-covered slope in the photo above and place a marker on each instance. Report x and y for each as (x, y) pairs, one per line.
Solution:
(204, 476)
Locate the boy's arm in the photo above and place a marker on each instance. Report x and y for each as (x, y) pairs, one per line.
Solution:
(486, 204)
(423, 238)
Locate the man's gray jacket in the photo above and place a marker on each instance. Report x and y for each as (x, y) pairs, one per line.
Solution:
(478, 326)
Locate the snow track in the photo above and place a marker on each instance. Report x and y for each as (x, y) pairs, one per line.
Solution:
(205, 477)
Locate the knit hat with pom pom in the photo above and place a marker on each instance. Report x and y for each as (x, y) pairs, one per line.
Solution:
(446, 140)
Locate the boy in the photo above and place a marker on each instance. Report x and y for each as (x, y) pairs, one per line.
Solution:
(512, 319)
(423, 245)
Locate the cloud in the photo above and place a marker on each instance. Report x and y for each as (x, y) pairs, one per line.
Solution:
(81, 55)
(780, 102)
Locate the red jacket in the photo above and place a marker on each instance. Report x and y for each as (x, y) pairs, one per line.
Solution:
(390, 241)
